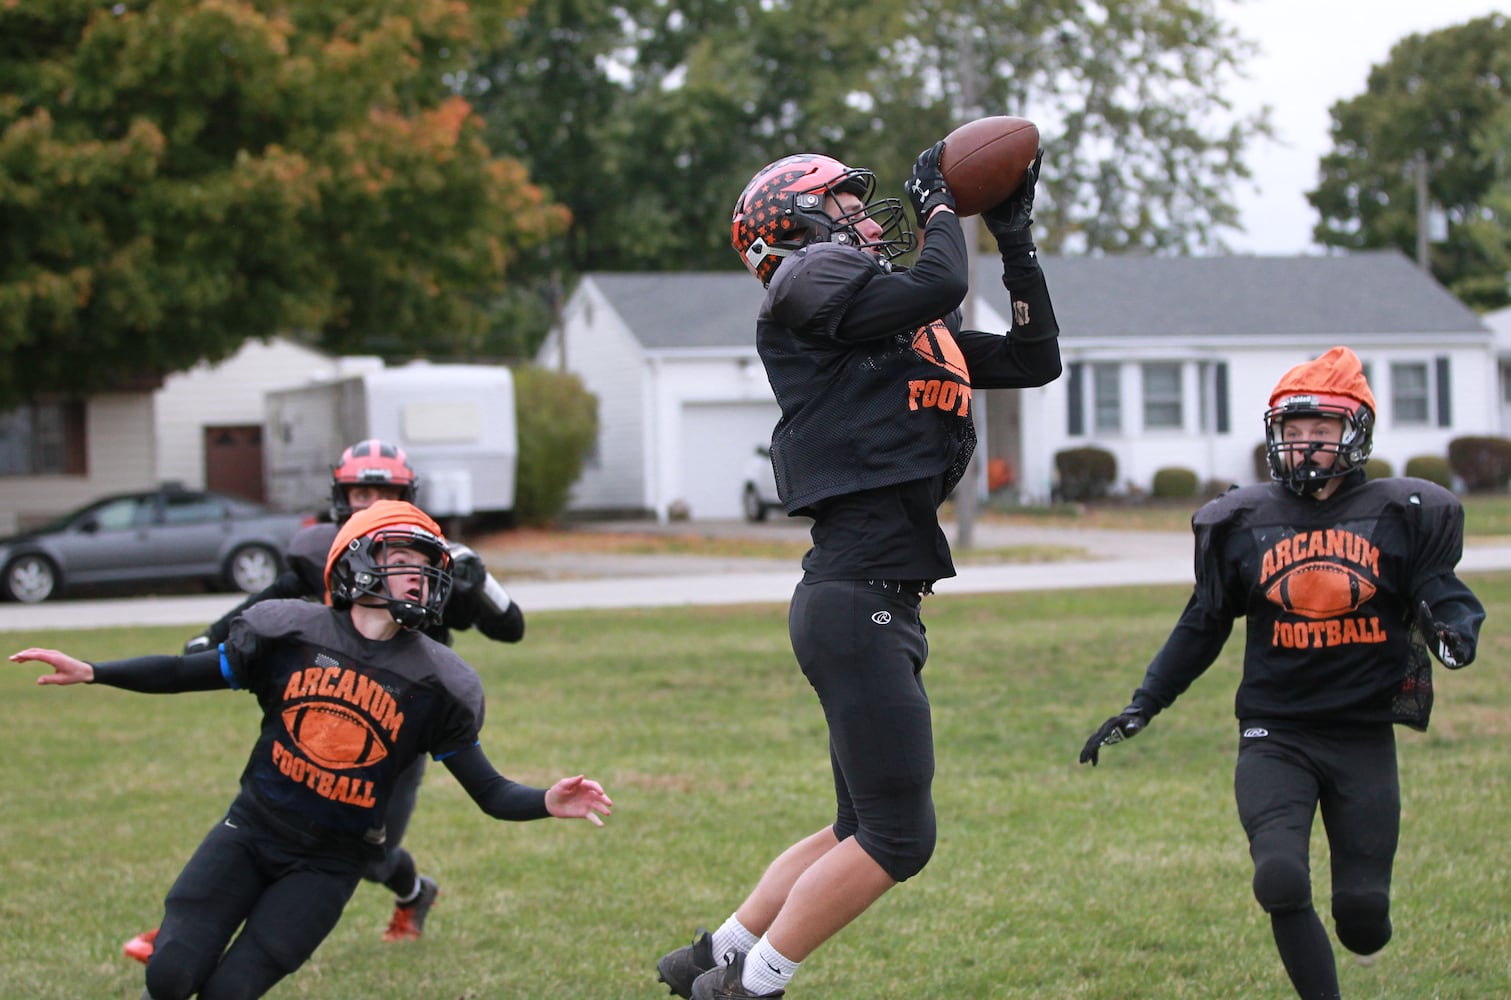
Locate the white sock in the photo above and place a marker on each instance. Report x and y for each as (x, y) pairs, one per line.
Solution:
(414, 894)
(766, 969)
(732, 936)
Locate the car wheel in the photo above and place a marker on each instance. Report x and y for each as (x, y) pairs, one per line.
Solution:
(30, 579)
(252, 568)
(754, 509)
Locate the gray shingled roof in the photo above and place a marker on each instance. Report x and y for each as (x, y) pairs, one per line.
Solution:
(1375, 292)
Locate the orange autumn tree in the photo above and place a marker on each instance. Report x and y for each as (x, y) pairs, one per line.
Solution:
(177, 176)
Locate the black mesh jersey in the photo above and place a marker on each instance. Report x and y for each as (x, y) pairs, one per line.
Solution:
(1329, 591)
(343, 715)
(875, 379)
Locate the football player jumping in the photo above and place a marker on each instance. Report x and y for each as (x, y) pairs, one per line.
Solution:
(1345, 587)
(350, 695)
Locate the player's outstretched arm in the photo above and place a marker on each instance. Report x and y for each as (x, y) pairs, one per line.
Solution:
(578, 798)
(65, 669)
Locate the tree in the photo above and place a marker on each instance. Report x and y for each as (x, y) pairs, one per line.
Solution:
(663, 110)
(1441, 100)
(177, 176)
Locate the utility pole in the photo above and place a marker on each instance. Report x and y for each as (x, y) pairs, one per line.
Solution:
(968, 490)
(1419, 172)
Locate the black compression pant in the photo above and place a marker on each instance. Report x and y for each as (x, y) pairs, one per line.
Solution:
(242, 873)
(1280, 781)
(862, 647)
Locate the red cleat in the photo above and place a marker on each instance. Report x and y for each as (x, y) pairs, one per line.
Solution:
(140, 947)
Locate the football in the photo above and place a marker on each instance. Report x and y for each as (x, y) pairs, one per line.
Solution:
(984, 160)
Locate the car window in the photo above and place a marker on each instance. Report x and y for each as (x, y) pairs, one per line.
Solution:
(118, 515)
(191, 508)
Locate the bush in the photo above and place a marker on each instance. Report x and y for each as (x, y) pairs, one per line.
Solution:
(1483, 463)
(1378, 468)
(558, 423)
(1174, 484)
(1433, 468)
(1085, 473)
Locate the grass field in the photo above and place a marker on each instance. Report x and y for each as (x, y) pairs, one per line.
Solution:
(1051, 880)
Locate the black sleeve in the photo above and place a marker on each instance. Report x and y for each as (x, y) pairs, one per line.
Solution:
(287, 584)
(164, 674)
(1193, 646)
(495, 794)
(931, 289)
(508, 626)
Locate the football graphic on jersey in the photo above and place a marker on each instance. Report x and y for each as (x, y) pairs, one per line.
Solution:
(1320, 590)
(332, 735)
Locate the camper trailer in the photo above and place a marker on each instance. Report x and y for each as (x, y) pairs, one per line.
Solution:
(455, 422)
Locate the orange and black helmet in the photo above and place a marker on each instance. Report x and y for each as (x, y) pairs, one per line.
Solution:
(785, 207)
(371, 463)
(1332, 386)
(355, 567)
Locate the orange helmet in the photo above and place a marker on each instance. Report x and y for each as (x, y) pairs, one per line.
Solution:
(370, 463)
(1332, 385)
(354, 567)
(783, 208)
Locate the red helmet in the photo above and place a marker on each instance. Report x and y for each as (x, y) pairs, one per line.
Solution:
(370, 463)
(783, 208)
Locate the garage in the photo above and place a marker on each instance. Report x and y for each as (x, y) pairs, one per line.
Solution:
(717, 439)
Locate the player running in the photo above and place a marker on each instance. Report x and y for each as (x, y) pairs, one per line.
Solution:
(350, 695)
(1344, 585)
(367, 472)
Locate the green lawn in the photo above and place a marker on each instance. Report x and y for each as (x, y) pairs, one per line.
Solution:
(1051, 880)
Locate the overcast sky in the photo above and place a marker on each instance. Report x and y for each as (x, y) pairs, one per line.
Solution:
(1314, 53)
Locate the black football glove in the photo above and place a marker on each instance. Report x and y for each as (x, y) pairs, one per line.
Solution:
(1014, 214)
(1451, 648)
(1124, 726)
(926, 188)
(198, 644)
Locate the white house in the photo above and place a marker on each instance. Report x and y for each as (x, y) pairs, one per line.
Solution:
(208, 421)
(201, 427)
(1168, 363)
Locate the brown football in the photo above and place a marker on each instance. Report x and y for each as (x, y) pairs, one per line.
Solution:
(984, 160)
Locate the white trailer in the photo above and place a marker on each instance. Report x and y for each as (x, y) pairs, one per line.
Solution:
(456, 423)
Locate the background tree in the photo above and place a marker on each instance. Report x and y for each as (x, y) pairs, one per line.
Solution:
(177, 176)
(1443, 96)
(658, 112)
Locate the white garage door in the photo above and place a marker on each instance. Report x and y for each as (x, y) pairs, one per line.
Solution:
(717, 439)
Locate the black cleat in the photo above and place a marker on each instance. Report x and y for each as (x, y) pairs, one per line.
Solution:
(679, 968)
(724, 983)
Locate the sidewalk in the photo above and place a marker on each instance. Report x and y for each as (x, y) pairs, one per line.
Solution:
(587, 580)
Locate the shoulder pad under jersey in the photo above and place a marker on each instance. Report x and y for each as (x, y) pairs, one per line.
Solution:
(1233, 503)
(813, 286)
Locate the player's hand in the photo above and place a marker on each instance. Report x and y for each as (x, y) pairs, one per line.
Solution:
(65, 669)
(467, 570)
(1452, 649)
(926, 188)
(1124, 726)
(198, 644)
(1015, 213)
(578, 798)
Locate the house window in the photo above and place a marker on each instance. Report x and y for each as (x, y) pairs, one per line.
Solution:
(1104, 408)
(1212, 381)
(1162, 398)
(43, 439)
(1106, 399)
(1409, 394)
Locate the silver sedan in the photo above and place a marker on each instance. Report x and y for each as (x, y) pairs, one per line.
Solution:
(140, 538)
